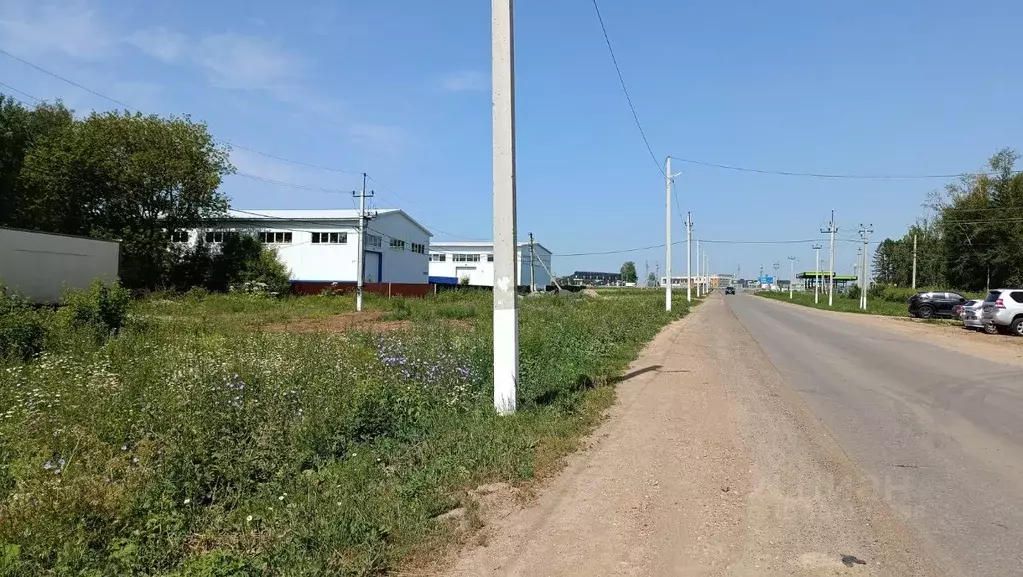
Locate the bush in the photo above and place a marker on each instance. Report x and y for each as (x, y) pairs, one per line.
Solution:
(853, 292)
(101, 309)
(23, 328)
(240, 260)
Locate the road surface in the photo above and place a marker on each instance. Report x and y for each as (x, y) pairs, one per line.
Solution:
(939, 431)
(711, 463)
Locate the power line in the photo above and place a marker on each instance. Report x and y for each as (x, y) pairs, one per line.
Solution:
(291, 184)
(21, 92)
(234, 145)
(722, 241)
(625, 89)
(133, 109)
(825, 175)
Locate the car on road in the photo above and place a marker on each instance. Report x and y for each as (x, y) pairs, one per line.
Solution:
(730, 290)
(1004, 309)
(972, 315)
(931, 304)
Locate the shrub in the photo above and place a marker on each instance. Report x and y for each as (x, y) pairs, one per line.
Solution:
(23, 328)
(101, 309)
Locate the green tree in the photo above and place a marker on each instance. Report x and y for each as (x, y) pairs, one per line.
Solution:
(20, 129)
(651, 280)
(981, 229)
(129, 177)
(629, 272)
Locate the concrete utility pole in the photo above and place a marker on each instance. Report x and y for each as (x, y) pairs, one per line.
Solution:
(792, 267)
(506, 305)
(532, 268)
(864, 285)
(689, 257)
(667, 232)
(914, 262)
(706, 273)
(360, 258)
(816, 273)
(832, 229)
(699, 282)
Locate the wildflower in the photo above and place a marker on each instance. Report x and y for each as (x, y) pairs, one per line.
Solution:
(187, 501)
(124, 447)
(248, 519)
(48, 465)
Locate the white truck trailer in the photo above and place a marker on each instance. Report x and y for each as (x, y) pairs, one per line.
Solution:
(39, 266)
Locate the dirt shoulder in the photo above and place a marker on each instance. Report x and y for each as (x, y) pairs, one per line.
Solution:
(998, 348)
(708, 465)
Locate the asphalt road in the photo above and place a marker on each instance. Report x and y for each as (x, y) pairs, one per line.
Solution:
(939, 433)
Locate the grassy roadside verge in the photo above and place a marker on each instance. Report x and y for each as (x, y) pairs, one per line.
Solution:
(199, 443)
(842, 303)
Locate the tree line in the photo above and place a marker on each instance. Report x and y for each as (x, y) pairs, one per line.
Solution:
(128, 177)
(971, 239)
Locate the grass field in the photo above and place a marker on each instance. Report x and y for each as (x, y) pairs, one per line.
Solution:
(875, 306)
(244, 435)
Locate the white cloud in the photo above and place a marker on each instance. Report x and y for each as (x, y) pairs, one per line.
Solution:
(465, 81)
(248, 62)
(71, 29)
(159, 43)
(384, 138)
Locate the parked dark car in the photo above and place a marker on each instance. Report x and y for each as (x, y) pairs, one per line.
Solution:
(730, 290)
(931, 304)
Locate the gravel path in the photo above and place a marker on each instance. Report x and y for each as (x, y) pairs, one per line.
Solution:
(708, 465)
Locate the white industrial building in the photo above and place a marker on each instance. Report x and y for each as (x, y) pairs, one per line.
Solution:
(451, 262)
(320, 247)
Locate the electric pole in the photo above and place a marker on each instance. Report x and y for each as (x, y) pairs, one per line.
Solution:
(532, 270)
(506, 306)
(792, 266)
(646, 272)
(360, 258)
(816, 273)
(914, 262)
(865, 285)
(699, 282)
(706, 273)
(689, 257)
(667, 232)
(832, 229)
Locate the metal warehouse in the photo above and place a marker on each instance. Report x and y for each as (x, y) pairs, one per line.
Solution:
(473, 262)
(320, 247)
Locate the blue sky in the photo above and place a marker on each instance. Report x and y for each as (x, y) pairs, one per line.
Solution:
(400, 89)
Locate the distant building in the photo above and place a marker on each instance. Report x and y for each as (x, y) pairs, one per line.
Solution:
(590, 278)
(714, 280)
(473, 263)
(320, 247)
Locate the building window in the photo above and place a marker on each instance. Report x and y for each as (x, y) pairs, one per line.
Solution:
(441, 257)
(275, 237)
(179, 236)
(397, 244)
(465, 257)
(330, 237)
(490, 257)
(217, 236)
(374, 241)
(418, 248)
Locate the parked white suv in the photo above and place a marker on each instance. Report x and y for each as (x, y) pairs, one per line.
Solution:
(1004, 309)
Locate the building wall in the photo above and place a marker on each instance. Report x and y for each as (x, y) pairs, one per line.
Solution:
(39, 266)
(401, 265)
(310, 262)
(541, 278)
(481, 272)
